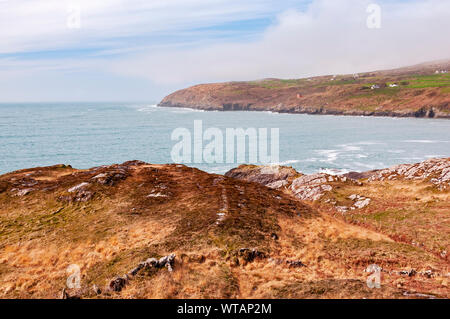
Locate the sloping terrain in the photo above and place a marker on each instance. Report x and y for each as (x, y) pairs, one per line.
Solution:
(408, 203)
(138, 230)
(417, 91)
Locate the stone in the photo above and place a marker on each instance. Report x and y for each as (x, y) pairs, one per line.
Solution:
(135, 270)
(295, 263)
(311, 187)
(362, 203)
(113, 175)
(277, 184)
(409, 273)
(167, 261)
(118, 283)
(436, 171)
(157, 195)
(273, 175)
(78, 188)
(342, 209)
(151, 262)
(24, 192)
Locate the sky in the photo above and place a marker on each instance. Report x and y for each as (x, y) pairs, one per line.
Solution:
(142, 50)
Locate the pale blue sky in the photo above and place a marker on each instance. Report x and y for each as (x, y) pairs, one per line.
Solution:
(138, 50)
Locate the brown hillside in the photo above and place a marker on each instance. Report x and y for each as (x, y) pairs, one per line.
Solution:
(416, 91)
(230, 238)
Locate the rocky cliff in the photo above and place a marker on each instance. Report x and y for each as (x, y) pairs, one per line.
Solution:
(418, 91)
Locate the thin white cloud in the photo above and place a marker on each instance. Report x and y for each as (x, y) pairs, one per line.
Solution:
(330, 37)
(327, 37)
(42, 24)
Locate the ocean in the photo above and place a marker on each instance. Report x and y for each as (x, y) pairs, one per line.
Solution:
(85, 135)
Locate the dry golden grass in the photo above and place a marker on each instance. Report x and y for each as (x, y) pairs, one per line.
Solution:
(412, 212)
(43, 233)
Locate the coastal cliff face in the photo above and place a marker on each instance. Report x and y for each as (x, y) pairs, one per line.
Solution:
(138, 230)
(418, 91)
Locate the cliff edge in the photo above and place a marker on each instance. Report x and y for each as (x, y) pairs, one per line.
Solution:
(416, 91)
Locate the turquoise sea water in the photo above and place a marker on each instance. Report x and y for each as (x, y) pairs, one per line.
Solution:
(92, 134)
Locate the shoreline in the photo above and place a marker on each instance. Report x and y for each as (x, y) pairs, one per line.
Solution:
(314, 112)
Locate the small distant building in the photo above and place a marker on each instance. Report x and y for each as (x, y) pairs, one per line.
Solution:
(374, 87)
(393, 85)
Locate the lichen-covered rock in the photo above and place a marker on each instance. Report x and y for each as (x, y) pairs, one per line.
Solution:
(272, 176)
(278, 184)
(313, 187)
(111, 177)
(78, 187)
(362, 203)
(304, 187)
(22, 192)
(435, 170)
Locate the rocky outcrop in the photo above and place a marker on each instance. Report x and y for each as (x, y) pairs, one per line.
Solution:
(313, 187)
(118, 283)
(112, 176)
(436, 171)
(304, 187)
(271, 176)
(359, 202)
